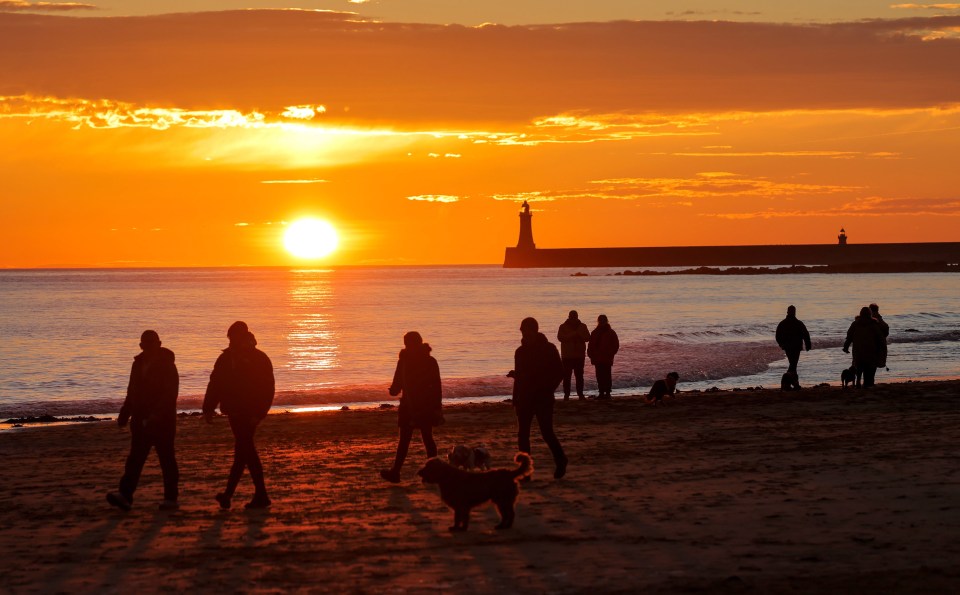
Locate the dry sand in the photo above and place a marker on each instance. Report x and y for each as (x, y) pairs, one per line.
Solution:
(821, 491)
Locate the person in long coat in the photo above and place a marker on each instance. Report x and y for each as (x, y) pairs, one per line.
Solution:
(885, 331)
(417, 378)
(603, 346)
(866, 336)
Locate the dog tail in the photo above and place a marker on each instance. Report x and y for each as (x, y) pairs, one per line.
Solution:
(525, 468)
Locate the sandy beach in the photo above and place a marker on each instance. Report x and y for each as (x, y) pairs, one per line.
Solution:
(819, 491)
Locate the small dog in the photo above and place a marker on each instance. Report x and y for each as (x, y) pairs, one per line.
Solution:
(468, 458)
(789, 381)
(850, 376)
(463, 490)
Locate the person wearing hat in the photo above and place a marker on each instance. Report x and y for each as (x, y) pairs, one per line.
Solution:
(242, 384)
(150, 409)
(536, 375)
(573, 335)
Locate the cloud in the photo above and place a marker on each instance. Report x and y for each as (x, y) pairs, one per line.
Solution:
(24, 6)
(443, 198)
(489, 77)
(703, 185)
(864, 207)
(927, 6)
(303, 112)
(303, 181)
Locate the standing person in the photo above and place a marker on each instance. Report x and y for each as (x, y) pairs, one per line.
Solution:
(885, 331)
(603, 345)
(242, 384)
(418, 377)
(662, 388)
(151, 410)
(537, 370)
(792, 337)
(866, 337)
(573, 336)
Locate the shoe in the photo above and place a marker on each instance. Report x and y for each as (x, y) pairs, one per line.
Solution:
(566, 397)
(119, 500)
(561, 468)
(224, 500)
(258, 502)
(390, 475)
(603, 397)
(581, 397)
(169, 505)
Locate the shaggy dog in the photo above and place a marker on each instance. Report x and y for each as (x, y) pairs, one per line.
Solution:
(463, 490)
(850, 376)
(789, 381)
(468, 458)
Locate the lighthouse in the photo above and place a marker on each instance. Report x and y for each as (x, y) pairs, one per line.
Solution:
(526, 229)
(842, 237)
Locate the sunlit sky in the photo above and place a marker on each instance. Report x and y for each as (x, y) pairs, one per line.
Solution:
(132, 136)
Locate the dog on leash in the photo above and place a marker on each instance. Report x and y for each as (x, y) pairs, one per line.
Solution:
(468, 458)
(850, 376)
(464, 490)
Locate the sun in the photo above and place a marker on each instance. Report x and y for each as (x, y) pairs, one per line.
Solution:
(310, 238)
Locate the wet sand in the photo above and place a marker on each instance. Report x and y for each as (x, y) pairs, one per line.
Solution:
(824, 490)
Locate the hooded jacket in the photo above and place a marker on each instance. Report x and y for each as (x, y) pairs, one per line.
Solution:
(418, 377)
(884, 332)
(792, 334)
(573, 335)
(538, 370)
(866, 336)
(241, 383)
(604, 344)
(152, 391)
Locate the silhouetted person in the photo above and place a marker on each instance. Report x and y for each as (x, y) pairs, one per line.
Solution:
(867, 339)
(418, 377)
(603, 345)
(885, 331)
(151, 410)
(242, 384)
(792, 337)
(662, 388)
(537, 371)
(573, 336)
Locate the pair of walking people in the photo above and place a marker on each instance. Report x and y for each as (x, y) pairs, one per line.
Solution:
(577, 343)
(241, 384)
(536, 373)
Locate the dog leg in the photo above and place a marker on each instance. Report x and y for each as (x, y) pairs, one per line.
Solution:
(461, 518)
(507, 514)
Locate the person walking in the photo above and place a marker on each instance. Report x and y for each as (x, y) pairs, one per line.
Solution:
(573, 335)
(150, 408)
(603, 346)
(417, 377)
(537, 371)
(792, 337)
(885, 331)
(242, 384)
(866, 336)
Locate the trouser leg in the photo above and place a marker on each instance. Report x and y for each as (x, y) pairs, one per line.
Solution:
(604, 378)
(243, 449)
(545, 421)
(578, 373)
(426, 434)
(568, 366)
(140, 444)
(869, 375)
(164, 445)
(793, 358)
(524, 421)
(406, 433)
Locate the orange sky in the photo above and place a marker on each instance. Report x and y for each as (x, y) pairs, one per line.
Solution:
(189, 140)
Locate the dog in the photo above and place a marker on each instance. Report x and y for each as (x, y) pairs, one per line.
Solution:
(468, 458)
(850, 376)
(789, 381)
(463, 490)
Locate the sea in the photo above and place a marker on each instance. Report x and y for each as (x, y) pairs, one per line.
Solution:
(68, 337)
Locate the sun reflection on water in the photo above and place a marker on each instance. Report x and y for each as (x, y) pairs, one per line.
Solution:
(312, 340)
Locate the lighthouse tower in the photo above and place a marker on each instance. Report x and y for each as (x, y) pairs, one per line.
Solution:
(526, 229)
(842, 237)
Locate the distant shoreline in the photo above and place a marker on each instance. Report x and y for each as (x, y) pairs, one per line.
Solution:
(830, 269)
